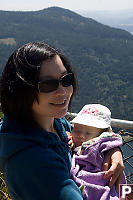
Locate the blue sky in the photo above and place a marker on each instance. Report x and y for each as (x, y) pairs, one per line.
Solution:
(69, 4)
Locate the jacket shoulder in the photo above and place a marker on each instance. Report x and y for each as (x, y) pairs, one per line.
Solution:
(66, 124)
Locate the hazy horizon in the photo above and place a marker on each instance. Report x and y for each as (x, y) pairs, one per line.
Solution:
(32, 5)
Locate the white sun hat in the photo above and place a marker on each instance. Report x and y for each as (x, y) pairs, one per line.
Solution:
(95, 115)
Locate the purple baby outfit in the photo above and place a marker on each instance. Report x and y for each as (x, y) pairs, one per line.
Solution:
(87, 171)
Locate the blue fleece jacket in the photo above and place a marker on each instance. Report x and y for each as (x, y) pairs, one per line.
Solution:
(37, 163)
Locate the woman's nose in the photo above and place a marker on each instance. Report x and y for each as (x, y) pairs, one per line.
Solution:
(61, 90)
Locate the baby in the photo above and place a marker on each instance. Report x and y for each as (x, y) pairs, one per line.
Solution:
(92, 136)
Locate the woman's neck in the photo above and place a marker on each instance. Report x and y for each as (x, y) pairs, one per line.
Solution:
(46, 123)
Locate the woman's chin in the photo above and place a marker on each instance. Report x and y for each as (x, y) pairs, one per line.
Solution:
(61, 113)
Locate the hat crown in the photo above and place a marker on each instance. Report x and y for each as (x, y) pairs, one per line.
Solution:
(90, 110)
(95, 115)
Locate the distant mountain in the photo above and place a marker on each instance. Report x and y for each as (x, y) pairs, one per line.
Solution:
(116, 18)
(102, 56)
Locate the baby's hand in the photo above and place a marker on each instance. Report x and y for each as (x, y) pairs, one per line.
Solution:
(70, 140)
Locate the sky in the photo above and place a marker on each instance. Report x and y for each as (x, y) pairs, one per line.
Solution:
(24, 5)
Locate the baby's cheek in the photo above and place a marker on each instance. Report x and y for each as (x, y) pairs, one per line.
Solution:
(87, 137)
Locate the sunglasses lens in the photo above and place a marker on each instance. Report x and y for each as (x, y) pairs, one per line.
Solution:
(67, 80)
(48, 86)
(51, 85)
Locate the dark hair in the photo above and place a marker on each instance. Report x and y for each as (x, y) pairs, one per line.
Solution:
(20, 78)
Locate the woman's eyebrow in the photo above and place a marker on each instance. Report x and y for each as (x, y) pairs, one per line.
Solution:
(46, 77)
(51, 77)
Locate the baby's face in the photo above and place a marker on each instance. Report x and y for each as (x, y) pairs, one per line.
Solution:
(81, 133)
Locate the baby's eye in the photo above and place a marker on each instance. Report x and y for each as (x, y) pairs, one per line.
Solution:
(74, 130)
(87, 133)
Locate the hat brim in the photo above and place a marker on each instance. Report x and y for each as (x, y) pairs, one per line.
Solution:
(90, 121)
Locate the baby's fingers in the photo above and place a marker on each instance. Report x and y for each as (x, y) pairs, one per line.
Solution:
(70, 142)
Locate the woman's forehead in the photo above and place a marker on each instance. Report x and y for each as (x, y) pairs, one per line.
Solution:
(52, 67)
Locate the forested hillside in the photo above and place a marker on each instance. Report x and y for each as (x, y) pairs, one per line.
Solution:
(102, 56)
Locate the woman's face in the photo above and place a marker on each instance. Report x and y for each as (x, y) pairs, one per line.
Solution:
(55, 103)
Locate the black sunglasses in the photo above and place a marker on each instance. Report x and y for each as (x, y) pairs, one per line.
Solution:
(53, 84)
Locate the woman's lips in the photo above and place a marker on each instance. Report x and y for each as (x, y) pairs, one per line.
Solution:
(60, 104)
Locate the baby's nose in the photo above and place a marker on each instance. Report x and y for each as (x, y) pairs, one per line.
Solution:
(80, 136)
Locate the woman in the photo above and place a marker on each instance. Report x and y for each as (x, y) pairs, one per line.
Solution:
(37, 87)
